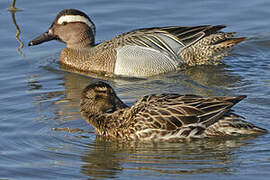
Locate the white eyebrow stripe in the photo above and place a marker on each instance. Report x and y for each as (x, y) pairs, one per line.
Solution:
(76, 18)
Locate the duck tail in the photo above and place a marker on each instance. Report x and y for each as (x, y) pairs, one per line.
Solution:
(210, 49)
(233, 125)
(227, 43)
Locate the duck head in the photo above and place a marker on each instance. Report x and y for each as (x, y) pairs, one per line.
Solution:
(72, 27)
(98, 98)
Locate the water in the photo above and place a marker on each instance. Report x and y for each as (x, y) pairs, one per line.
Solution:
(44, 137)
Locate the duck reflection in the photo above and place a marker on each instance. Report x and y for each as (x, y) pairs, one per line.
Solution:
(68, 106)
(101, 160)
(212, 81)
(106, 159)
(205, 81)
(212, 76)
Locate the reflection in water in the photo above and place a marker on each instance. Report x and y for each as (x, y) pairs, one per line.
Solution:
(12, 7)
(68, 108)
(13, 10)
(101, 160)
(106, 158)
(206, 81)
(210, 76)
(201, 80)
(211, 79)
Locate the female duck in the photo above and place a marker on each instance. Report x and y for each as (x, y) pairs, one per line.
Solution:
(139, 53)
(162, 117)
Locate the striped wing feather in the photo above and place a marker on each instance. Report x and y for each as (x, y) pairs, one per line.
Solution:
(172, 111)
(189, 35)
(167, 38)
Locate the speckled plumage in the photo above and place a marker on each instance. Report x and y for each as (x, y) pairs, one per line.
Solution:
(151, 51)
(162, 117)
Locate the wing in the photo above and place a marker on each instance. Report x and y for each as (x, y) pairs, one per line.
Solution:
(189, 35)
(171, 39)
(172, 111)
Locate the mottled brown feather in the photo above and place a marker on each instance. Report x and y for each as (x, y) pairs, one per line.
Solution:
(162, 117)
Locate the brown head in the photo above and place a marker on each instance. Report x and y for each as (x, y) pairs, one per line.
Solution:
(99, 98)
(72, 27)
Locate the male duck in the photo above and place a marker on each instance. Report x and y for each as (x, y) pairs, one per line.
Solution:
(139, 53)
(162, 117)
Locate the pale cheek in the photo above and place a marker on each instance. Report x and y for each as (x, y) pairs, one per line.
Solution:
(70, 34)
(63, 34)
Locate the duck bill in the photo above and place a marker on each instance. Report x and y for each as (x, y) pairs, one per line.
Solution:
(47, 36)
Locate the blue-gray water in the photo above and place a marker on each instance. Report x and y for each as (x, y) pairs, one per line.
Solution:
(42, 135)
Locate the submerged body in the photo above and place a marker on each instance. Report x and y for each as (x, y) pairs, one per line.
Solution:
(163, 117)
(139, 53)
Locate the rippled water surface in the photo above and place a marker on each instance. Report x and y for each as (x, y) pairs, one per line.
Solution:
(42, 135)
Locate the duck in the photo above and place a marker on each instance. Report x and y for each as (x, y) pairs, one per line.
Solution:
(162, 117)
(139, 53)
